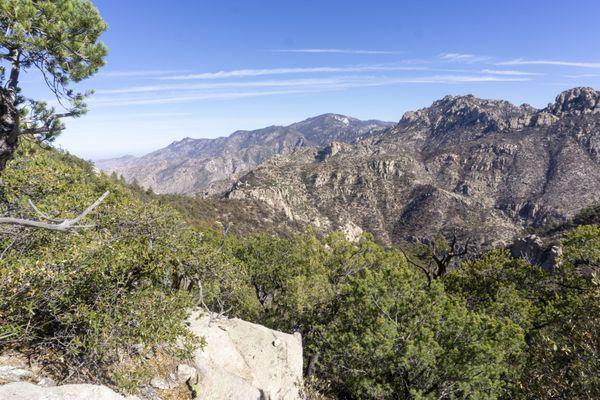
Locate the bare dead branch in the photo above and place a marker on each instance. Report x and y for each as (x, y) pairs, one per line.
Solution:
(64, 225)
(422, 268)
(443, 260)
(43, 215)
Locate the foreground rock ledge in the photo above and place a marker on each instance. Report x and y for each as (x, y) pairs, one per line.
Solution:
(242, 360)
(29, 391)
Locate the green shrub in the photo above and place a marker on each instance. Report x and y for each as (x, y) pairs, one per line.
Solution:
(89, 297)
(558, 313)
(393, 336)
(564, 354)
(378, 330)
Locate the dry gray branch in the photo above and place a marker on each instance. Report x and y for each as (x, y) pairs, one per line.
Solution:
(54, 224)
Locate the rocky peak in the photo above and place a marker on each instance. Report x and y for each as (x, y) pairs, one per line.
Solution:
(456, 112)
(576, 101)
(484, 167)
(320, 125)
(182, 142)
(329, 119)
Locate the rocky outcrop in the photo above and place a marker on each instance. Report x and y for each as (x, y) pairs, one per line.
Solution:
(329, 151)
(485, 168)
(577, 101)
(29, 391)
(22, 379)
(239, 360)
(243, 361)
(533, 249)
(204, 166)
(470, 112)
(15, 367)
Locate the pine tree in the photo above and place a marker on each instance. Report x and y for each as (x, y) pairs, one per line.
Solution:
(58, 38)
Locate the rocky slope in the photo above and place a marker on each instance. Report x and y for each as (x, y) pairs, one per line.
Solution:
(485, 168)
(208, 165)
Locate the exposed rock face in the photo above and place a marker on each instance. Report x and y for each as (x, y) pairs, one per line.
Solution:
(17, 375)
(486, 168)
(533, 249)
(576, 102)
(29, 391)
(240, 360)
(15, 367)
(11, 373)
(246, 361)
(208, 165)
(468, 112)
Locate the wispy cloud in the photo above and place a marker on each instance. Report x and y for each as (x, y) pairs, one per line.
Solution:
(338, 51)
(218, 85)
(141, 116)
(321, 82)
(163, 114)
(521, 61)
(510, 72)
(450, 79)
(138, 74)
(174, 99)
(184, 94)
(243, 73)
(463, 58)
(577, 76)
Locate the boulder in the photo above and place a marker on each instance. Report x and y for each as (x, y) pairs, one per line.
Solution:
(29, 391)
(185, 373)
(242, 360)
(9, 373)
(164, 384)
(533, 249)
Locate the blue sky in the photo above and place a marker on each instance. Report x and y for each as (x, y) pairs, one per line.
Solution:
(206, 68)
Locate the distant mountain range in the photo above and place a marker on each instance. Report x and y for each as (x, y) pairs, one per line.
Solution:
(482, 168)
(206, 166)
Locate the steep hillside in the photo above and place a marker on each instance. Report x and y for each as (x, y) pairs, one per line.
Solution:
(208, 165)
(486, 168)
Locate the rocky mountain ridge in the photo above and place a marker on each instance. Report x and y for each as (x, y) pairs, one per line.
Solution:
(192, 166)
(486, 168)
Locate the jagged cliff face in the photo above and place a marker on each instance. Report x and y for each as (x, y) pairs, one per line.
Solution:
(485, 168)
(206, 166)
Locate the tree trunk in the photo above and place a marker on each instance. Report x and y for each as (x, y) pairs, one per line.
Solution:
(9, 114)
(9, 126)
(311, 368)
